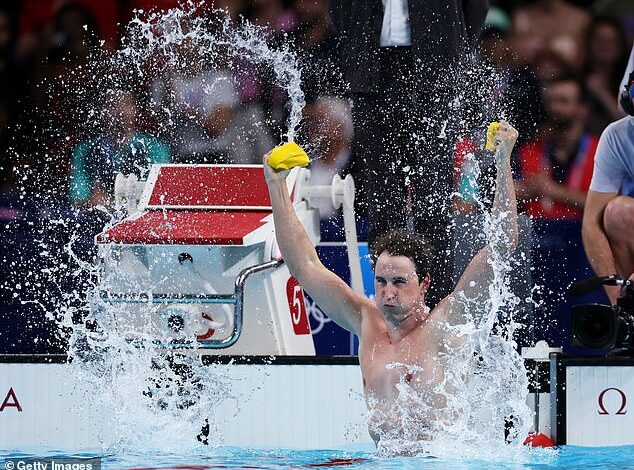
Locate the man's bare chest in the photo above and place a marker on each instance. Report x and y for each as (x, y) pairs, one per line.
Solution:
(385, 365)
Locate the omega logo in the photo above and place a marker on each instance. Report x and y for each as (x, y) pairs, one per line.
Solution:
(10, 401)
(621, 411)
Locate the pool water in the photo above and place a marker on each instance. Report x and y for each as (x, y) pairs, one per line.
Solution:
(360, 457)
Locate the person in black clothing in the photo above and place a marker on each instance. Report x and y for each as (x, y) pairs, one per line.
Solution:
(316, 48)
(403, 61)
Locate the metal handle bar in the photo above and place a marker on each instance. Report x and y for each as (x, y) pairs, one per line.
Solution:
(237, 299)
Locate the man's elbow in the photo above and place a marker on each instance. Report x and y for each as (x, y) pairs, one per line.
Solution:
(296, 271)
(302, 271)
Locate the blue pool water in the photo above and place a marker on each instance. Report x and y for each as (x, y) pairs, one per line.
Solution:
(566, 457)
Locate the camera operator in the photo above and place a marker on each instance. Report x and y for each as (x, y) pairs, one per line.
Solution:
(608, 220)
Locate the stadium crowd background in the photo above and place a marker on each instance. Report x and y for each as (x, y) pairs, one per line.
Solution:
(562, 62)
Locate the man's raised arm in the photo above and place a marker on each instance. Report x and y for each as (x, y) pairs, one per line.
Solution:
(474, 282)
(327, 289)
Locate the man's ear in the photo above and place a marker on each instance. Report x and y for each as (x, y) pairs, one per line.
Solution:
(425, 283)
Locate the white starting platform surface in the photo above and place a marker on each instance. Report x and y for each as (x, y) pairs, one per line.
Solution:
(196, 264)
(591, 400)
(285, 402)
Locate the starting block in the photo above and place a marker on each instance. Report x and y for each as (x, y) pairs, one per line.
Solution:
(195, 263)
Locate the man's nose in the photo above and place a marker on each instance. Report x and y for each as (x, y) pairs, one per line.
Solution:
(390, 290)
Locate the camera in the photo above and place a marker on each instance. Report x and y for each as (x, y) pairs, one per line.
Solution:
(601, 326)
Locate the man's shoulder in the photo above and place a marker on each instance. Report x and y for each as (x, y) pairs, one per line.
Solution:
(372, 320)
(448, 313)
(617, 140)
(621, 129)
(441, 313)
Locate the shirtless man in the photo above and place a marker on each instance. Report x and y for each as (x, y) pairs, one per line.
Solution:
(396, 329)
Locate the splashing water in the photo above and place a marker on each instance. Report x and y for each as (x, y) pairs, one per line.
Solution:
(479, 408)
(180, 41)
(484, 388)
(160, 400)
(164, 401)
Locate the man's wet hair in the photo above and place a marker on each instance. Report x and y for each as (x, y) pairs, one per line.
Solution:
(401, 242)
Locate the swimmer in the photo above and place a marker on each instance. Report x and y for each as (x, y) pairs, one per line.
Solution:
(396, 328)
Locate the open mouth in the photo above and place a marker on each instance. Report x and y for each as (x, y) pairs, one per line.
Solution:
(390, 305)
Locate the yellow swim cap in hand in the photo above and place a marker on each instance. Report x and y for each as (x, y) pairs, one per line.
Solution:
(287, 156)
(491, 130)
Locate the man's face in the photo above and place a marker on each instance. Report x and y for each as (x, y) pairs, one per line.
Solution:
(563, 103)
(398, 292)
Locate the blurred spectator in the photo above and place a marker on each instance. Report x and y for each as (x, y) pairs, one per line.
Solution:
(549, 65)
(61, 97)
(121, 148)
(517, 90)
(38, 17)
(316, 41)
(235, 8)
(556, 169)
(271, 14)
(13, 83)
(550, 25)
(330, 133)
(200, 103)
(606, 59)
(621, 11)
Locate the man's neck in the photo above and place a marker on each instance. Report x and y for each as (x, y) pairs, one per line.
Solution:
(397, 332)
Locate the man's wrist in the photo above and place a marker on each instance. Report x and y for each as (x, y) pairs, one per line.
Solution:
(277, 182)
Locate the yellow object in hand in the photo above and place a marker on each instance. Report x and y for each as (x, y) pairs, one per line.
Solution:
(288, 156)
(491, 130)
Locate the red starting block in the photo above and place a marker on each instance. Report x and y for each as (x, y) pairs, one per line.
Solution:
(182, 257)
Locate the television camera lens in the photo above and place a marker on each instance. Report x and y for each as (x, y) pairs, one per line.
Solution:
(593, 326)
